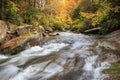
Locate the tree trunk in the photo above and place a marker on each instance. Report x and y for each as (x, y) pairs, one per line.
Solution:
(93, 29)
(25, 2)
(29, 2)
(4, 8)
(34, 3)
(1, 9)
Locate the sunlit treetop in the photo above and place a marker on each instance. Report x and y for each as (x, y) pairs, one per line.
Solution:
(62, 0)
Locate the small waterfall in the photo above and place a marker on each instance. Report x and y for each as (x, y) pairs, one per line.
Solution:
(68, 56)
(93, 70)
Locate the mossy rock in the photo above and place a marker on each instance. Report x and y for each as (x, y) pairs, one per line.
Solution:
(113, 71)
(18, 44)
(115, 67)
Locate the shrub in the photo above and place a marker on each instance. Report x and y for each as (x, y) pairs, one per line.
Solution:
(77, 25)
(92, 8)
(59, 25)
(31, 14)
(45, 21)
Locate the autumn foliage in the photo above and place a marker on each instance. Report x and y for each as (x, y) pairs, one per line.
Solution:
(76, 15)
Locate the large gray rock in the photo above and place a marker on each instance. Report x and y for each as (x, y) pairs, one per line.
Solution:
(18, 44)
(17, 37)
(3, 30)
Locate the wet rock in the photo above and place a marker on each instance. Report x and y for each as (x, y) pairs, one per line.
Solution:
(113, 72)
(53, 34)
(36, 60)
(114, 76)
(25, 30)
(17, 44)
(48, 29)
(109, 49)
(72, 68)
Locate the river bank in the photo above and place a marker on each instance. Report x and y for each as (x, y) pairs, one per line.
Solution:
(14, 39)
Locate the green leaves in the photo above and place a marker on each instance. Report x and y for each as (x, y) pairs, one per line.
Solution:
(31, 14)
(104, 14)
(11, 7)
(117, 9)
(12, 14)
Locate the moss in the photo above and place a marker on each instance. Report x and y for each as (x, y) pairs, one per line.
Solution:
(115, 67)
(113, 71)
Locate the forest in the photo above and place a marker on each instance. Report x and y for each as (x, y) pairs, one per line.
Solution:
(74, 15)
(59, 39)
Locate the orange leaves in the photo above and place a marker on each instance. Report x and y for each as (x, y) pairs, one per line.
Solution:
(65, 8)
(70, 5)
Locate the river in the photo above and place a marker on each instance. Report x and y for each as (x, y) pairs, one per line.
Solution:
(68, 56)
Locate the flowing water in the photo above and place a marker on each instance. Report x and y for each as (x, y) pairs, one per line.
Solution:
(69, 56)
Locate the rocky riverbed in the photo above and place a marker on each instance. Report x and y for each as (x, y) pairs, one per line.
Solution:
(67, 56)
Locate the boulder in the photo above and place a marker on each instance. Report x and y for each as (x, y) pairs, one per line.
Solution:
(19, 43)
(25, 29)
(11, 27)
(3, 30)
(14, 38)
(21, 38)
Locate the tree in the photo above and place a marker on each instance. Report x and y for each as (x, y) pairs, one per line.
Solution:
(11, 13)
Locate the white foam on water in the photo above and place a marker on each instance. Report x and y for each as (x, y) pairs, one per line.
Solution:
(69, 37)
(44, 50)
(8, 72)
(37, 67)
(93, 70)
(52, 69)
(17, 60)
(30, 71)
(70, 34)
(78, 43)
(98, 75)
(89, 61)
(41, 71)
(35, 51)
(3, 57)
(32, 50)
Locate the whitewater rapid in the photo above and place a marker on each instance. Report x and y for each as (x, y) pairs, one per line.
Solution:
(56, 59)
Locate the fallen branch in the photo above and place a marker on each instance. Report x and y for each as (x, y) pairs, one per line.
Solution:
(93, 29)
